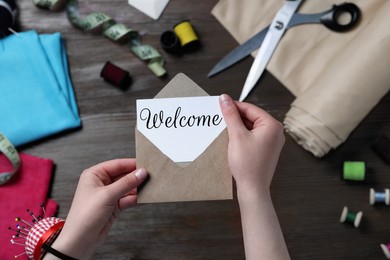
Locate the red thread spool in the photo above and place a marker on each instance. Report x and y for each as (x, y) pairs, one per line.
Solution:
(116, 75)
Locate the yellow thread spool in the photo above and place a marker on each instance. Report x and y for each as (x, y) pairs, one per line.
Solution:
(187, 36)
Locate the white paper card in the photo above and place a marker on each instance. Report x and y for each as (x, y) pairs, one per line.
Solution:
(181, 128)
(152, 8)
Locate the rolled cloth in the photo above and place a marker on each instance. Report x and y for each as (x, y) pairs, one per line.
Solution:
(337, 78)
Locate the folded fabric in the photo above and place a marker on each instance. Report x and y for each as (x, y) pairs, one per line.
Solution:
(27, 189)
(337, 77)
(36, 94)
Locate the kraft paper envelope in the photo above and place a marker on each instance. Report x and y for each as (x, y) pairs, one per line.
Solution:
(206, 178)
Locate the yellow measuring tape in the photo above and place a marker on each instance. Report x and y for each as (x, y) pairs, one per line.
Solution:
(100, 22)
(12, 155)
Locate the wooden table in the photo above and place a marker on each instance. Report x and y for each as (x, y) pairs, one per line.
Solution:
(308, 192)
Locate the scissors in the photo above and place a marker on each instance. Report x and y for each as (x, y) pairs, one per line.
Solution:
(269, 37)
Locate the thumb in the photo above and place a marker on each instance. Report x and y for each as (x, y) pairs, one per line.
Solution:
(128, 182)
(231, 115)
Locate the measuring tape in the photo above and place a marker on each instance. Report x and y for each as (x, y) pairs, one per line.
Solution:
(10, 152)
(100, 22)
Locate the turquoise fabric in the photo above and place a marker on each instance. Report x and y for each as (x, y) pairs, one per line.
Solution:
(36, 94)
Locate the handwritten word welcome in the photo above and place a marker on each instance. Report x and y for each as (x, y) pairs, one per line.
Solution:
(158, 119)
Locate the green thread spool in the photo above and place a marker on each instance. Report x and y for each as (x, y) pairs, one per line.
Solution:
(354, 171)
(353, 218)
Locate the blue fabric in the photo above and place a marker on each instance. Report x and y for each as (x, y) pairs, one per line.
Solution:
(36, 94)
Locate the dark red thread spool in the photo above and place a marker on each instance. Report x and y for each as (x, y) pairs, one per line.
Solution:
(116, 76)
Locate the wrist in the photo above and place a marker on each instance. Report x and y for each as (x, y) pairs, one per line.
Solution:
(250, 188)
(249, 194)
(53, 254)
(66, 246)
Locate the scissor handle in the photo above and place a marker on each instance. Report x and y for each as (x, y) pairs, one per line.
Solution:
(330, 18)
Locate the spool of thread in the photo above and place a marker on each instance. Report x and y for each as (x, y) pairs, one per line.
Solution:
(171, 43)
(187, 36)
(380, 197)
(382, 148)
(386, 250)
(116, 76)
(7, 16)
(354, 171)
(353, 218)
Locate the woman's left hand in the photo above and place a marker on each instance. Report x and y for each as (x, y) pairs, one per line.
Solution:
(103, 191)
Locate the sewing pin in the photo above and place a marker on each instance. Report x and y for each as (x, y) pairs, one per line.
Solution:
(17, 219)
(22, 227)
(32, 215)
(16, 243)
(43, 209)
(13, 31)
(17, 231)
(14, 237)
(19, 235)
(16, 256)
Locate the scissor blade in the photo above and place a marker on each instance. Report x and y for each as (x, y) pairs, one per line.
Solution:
(271, 41)
(260, 62)
(239, 53)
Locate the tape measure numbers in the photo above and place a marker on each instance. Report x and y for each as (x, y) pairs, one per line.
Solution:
(100, 22)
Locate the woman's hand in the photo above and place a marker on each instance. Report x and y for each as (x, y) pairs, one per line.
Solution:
(103, 191)
(255, 142)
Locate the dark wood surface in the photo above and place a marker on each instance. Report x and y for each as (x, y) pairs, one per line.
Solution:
(308, 192)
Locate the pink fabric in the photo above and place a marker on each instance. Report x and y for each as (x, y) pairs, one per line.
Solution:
(27, 189)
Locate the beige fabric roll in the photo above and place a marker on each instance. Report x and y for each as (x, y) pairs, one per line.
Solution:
(337, 77)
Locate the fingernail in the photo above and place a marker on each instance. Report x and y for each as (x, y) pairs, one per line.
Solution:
(141, 174)
(225, 99)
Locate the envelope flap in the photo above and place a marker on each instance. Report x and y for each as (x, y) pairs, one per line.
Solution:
(181, 86)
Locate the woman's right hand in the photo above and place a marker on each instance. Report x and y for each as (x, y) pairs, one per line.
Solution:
(255, 142)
